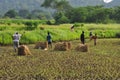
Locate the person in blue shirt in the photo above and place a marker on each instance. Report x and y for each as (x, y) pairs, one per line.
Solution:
(49, 40)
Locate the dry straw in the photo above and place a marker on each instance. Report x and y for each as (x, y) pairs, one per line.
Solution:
(23, 50)
(41, 45)
(82, 48)
(62, 46)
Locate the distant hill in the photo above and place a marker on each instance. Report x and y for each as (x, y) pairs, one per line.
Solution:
(6, 5)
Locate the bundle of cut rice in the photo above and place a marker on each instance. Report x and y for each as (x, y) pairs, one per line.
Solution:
(23, 50)
(62, 46)
(41, 45)
(82, 48)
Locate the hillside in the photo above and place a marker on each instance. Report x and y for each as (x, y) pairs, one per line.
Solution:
(6, 5)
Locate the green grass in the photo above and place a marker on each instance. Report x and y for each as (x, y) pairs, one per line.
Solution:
(59, 32)
(102, 62)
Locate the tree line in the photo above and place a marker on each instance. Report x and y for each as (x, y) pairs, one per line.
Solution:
(63, 12)
(26, 14)
(93, 14)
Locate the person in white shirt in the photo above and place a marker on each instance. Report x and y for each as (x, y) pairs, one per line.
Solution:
(16, 38)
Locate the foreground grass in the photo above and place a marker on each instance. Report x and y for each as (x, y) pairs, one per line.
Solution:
(102, 62)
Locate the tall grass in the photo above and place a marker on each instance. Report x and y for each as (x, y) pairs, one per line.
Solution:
(58, 32)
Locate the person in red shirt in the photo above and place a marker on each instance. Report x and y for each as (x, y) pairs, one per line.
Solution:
(95, 39)
(90, 34)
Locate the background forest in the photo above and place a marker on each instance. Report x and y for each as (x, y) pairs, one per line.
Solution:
(65, 11)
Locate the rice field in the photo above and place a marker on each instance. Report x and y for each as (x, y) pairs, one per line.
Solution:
(101, 62)
(36, 30)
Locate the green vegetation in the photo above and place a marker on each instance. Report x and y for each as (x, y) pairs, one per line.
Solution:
(66, 14)
(36, 30)
(63, 12)
(102, 62)
(35, 4)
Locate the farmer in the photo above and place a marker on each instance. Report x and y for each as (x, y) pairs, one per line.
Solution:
(16, 38)
(72, 28)
(82, 37)
(49, 39)
(94, 37)
(90, 35)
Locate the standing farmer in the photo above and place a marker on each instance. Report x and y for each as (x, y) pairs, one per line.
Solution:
(95, 39)
(90, 34)
(16, 38)
(72, 28)
(49, 39)
(82, 38)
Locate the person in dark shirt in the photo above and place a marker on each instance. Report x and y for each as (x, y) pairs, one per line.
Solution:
(82, 38)
(49, 39)
(90, 34)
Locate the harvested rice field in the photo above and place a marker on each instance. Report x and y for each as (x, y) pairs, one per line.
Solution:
(101, 62)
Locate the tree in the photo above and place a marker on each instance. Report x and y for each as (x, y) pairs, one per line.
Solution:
(59, 5)
(11, 14)
(48, 3)
(117, 14)
(60, 18)
(37, 14)
(101, 15)
(23, 13)
(98, 14)
(77, 14)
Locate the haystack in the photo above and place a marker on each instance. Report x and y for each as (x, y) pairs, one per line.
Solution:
(41, 45)
(82, 48)
(23, 50)
(62, 46)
